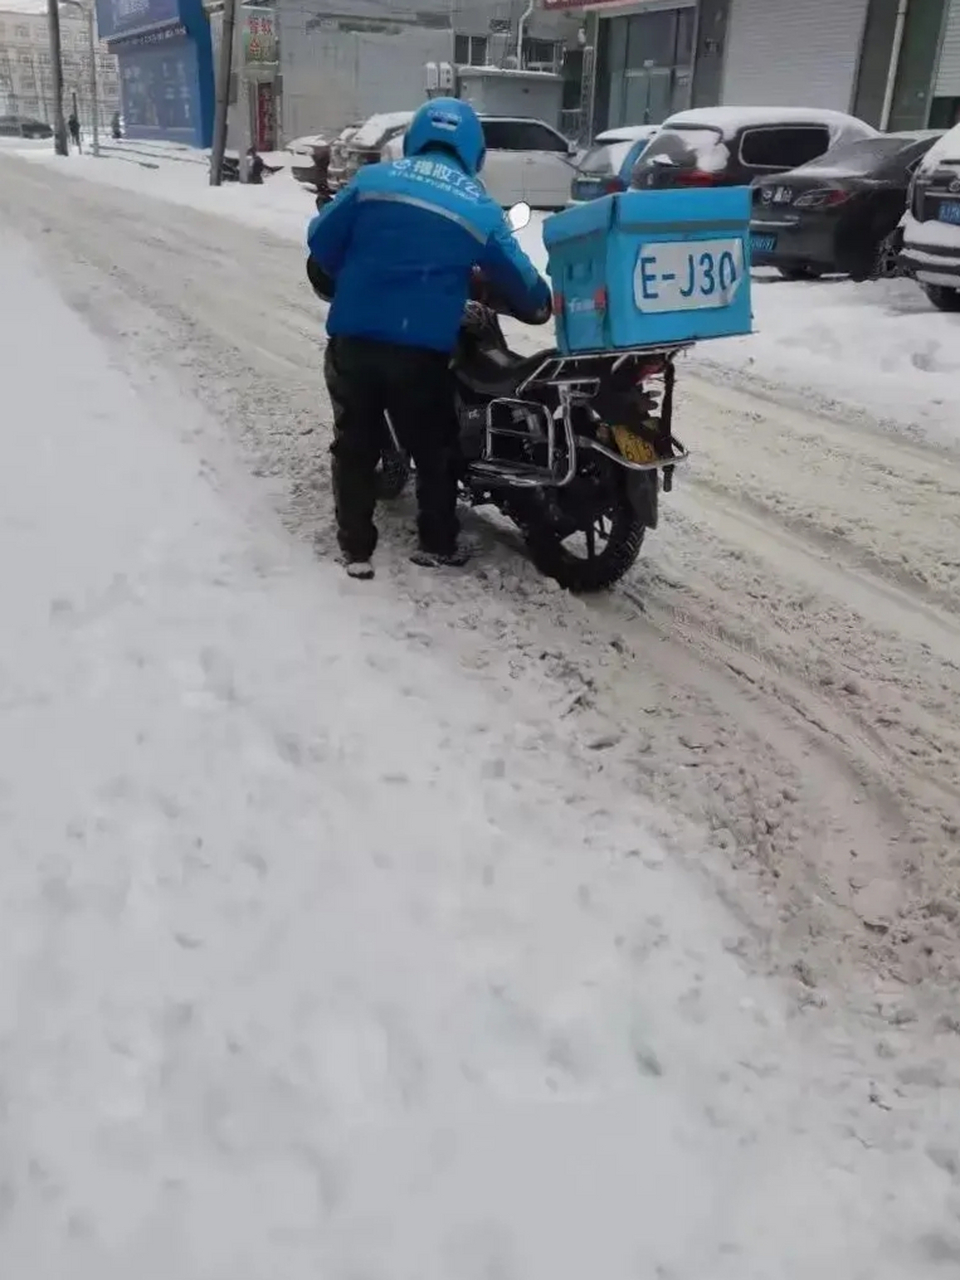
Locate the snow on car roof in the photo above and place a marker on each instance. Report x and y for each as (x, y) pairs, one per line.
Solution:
(731, 119)
(306, 142)
(372, 130)
(628, 133)
(945, 148)
(485, 69)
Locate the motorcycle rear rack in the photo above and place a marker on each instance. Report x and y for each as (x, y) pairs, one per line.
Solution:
(581, 366)
(677, 458)
(542, 429)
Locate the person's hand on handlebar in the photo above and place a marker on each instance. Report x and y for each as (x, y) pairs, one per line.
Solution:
(483, 292)
(479, 287)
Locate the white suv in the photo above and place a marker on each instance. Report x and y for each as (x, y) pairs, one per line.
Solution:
(527, 160)
(931, 228)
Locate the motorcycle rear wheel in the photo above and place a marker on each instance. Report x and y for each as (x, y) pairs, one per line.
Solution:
(613, 520)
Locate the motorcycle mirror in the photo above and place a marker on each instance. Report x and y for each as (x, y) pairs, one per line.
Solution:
(519, 216)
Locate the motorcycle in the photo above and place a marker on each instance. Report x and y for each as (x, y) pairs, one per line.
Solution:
(573, 449)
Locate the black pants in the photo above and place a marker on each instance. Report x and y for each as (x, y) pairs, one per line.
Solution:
(415, 387)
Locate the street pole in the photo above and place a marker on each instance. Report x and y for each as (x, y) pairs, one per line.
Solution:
(90, 17)
(94, 95)
(56, 67)
(224, 71)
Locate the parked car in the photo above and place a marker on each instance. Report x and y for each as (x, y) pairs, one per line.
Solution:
(336, 175)
(839, 213)
(931, 227)
(23, 127)
(370, 143)
(733, 146)
(527, 160)
(608, 164)
(301, 151)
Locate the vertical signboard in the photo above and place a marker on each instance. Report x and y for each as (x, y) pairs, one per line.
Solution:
(259, 41)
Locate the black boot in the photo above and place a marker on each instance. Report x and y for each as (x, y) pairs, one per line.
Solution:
(454, 559)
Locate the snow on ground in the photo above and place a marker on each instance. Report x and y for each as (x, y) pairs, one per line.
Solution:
(878, 348)
(181, 175)
(312, 962)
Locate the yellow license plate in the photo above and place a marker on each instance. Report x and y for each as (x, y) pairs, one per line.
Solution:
(633, 448)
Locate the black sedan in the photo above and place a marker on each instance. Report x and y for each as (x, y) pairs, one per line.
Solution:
(838, 214)
(21, 127)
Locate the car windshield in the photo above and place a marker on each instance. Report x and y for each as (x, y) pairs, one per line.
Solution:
(605, 158)
(862, 157)
(687, 148)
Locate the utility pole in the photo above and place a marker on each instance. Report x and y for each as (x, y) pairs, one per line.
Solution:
(56, 68)
(94, 95)
(224, 72)
(86, 8)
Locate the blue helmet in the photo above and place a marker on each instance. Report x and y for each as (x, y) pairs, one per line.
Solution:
(451, 123)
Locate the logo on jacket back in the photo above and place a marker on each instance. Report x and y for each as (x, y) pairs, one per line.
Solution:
(444, 175)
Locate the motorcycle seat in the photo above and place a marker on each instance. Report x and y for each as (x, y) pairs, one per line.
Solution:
(495, 372)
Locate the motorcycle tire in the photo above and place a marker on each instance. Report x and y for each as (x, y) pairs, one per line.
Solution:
(393, 473)
(583, 575)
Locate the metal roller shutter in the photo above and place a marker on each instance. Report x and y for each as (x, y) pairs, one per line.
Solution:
(948, 71)
(796, 53)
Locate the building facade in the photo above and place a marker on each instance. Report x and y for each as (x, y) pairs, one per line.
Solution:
(895, 63)
(343, 60)
(638, 61)
(26, 79)
(254, 113)
(164, 53)
(945, 97)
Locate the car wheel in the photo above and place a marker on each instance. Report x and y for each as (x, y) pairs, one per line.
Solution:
(942, 297)
(800, 273)
(886, 263)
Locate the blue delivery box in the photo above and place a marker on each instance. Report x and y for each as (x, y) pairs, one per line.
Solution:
(650, 267)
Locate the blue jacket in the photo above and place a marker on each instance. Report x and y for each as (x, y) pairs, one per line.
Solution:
(400, 242)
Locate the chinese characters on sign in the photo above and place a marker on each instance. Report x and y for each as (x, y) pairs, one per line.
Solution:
(152, 37)
(117, 18)
(259, 37)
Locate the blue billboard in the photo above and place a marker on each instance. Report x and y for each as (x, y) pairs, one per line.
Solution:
(160, 89)
(165, 59)
(117, 18)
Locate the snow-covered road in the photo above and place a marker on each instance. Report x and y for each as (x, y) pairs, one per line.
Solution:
(251, 1029)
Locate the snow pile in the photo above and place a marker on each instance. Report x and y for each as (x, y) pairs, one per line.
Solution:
(878, 347)
(181, 175)
(316, 955)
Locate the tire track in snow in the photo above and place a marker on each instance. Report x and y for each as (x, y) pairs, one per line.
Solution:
(893, 502)
(716, 681)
